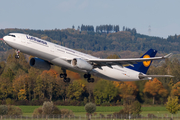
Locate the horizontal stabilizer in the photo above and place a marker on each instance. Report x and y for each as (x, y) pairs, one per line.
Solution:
(168, 55)
(145, 76)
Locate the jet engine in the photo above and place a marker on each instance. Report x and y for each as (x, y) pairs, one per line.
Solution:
(82, 64)
(39, 63)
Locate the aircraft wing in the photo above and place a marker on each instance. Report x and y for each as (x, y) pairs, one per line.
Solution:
(121, 62)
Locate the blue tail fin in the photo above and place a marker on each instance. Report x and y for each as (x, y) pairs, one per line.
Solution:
(144, 66)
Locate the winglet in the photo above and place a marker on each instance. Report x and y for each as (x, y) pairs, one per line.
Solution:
(168, 55)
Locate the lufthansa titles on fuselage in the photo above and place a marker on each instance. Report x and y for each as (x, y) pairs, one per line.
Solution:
(33, 39)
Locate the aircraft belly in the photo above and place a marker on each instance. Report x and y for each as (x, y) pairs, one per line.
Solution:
(117, 74)
(45, 54)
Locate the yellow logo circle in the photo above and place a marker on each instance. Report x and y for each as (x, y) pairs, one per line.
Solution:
(146, 63)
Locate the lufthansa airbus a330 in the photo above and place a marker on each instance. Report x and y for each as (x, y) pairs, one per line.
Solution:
(48, 54)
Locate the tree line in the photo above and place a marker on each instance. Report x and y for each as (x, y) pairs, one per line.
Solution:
(104, 28)
(125, 40)
(22, 84)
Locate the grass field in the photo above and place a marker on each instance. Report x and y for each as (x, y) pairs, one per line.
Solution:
(30, 109)
(80, 114)
(80, 111)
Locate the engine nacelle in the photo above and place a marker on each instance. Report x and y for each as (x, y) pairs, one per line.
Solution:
(39, 63)
(82, 64)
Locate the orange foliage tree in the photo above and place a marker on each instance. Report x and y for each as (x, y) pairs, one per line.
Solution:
(154, 88)
(126, 89)
(19, 84)
(22, 94)
(49, 77)
(73, 75)
(45, 83)
(176, 89)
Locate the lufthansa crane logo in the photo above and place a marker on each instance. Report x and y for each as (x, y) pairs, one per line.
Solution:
(146, 63)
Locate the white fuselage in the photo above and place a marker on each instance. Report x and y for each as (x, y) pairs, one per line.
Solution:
(57, 55)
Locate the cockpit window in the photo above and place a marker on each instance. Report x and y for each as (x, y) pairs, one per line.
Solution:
(12, 35)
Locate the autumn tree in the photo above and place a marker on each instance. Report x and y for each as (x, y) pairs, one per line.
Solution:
(22, 94)
(45, 83)
(114, 56)
(6, 88)
(73, 75)
(154, 88)
(16, 64)
(75, 90)
(104, 91)
(61, 89)
(19, 86)
(40, 88)
(90, 89)
(31, 81)
(172, 105)
(126, 90)
(49, 77)
(176, 89)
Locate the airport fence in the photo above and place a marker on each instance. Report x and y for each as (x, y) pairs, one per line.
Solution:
(96, 117)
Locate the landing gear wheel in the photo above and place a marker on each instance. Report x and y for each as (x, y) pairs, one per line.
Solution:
(17, 56)
(90, 80)
(87, 75)
(63, 75)
(66, 80)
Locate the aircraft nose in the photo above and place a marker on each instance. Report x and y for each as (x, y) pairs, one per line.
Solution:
(5, 38)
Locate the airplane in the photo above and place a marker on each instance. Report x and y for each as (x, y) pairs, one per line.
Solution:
(48, 53)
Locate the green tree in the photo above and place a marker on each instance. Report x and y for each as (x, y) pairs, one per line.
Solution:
(75, 90)
(104, 91)
(40, 88)
(3, 110)
(31, 81)
(90, 108)
(6, 88)
(136, 108)
(47, 108)
(172, 105)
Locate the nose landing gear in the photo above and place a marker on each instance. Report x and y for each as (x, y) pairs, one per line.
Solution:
(89, 79)
(17, 54)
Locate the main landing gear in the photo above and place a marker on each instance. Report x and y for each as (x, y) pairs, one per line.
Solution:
(89, 79)
(17, 54)
(64, 75)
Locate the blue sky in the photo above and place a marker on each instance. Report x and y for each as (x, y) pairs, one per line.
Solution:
(162, 15)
